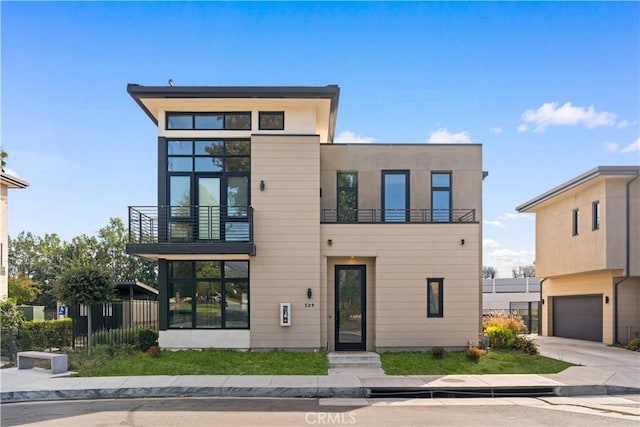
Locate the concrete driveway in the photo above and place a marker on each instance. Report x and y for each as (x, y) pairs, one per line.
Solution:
(623, 365)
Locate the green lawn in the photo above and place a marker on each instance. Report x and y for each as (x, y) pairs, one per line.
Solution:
(107, 362)
(455, 363)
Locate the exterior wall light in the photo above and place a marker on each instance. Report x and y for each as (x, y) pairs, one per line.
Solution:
(329, 242)
(461, 242)
(309, 293)
(606, 299)
(261, 185)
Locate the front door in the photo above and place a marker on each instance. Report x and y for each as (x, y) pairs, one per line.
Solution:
(350, 310)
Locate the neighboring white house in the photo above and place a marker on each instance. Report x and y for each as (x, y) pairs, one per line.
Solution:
(513, 294)
(7, 181)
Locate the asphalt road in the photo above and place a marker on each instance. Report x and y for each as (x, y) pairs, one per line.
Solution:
(323, 412)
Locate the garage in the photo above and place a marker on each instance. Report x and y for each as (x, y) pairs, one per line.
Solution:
(578, 317)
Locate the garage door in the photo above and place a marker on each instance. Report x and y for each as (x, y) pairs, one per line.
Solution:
(578, 317)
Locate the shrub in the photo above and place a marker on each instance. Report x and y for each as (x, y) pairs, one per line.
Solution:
(500, 337)
(508, 320)
(46, 334)
(154, 351)
(525, 345)
(438, 352)
(146, 338)
(474, 353)
(633, 344)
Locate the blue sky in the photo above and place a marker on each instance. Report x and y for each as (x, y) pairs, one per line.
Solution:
(551, 90)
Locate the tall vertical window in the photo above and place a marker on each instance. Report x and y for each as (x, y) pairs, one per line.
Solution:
(575, 222)
(441, 196)
(347, 192)
(595, 211)
(435, 297)
(395, 196)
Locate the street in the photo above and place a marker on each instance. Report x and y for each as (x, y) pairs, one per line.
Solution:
(575, 411)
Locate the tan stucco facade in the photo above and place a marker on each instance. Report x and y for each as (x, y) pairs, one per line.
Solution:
(600, 260)
(292, 180)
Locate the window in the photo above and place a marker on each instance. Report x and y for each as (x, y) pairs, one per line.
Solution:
(434, 297)
(271, 120)
(107, 309)
(395, 196)
(209, 121)
(208, 294)
(347, 199)
(441, 196)
(595, 211)
(575, 222)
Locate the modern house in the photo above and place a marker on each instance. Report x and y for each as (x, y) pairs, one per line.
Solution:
(269, 235)
(521, 294)
(588, 255)
(7, 181)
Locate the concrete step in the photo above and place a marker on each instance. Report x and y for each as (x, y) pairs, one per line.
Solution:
(355, 360)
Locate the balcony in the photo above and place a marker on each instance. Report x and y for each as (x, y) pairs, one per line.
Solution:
(398, 216)
(158, 231)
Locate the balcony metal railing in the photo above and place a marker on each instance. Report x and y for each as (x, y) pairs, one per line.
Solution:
(182, 224)
(413, 216)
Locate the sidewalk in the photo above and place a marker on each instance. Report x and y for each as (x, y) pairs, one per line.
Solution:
(37, 385)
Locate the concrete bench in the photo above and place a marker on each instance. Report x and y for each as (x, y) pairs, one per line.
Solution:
(58, 361)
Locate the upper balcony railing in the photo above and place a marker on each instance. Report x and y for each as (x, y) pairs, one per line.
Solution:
(190, 224)
(412, 216)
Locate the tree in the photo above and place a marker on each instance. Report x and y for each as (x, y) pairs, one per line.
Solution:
(524, 271)
(489, 272)
(84, 285)
(3, 156)
(23, 289)
(10, 318)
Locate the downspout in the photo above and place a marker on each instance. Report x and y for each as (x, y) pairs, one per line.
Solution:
(628, 260)
(542, 309)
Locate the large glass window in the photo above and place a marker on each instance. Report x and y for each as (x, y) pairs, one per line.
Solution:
(271, 120)
(395, 196)
(435, 297)
(209, 121)
(208, 294)
(347, 192)
(441, 196)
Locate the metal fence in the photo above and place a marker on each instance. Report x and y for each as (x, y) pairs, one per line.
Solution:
(113, 323)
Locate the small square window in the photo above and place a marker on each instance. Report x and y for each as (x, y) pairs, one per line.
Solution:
(271, 120)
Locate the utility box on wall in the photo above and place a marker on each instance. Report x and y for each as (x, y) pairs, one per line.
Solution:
(285, 314)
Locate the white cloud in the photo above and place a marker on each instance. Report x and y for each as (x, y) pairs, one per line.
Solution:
(496, 130)
(495, 223)
(523, 128)
(549, 114)
(349, 137)
(443, 136)
(515, 216)
(490, 243)
(504, 259)
(634, 146)
(611, 146)
(625, 123)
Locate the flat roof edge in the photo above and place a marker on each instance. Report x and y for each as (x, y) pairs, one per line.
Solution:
(328, 91)
(579, 180)
(13, 181)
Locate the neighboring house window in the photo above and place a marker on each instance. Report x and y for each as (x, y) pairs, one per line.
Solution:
(208, 294)
(209, 121)
(84, 310)
(441, 196)
(595, 208)
(395, 196)
(576, 222)
(435, 297)
(107, 309)
(347, 192)
(271, 120)
(212, 176)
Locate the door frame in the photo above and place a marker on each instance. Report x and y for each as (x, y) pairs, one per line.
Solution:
(361, 346)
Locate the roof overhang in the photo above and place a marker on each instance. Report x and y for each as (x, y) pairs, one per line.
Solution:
(12, 181)
(594, 173)
(331, 92)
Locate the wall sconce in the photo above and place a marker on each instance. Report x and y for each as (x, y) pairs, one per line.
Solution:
(329, 242)
(461, 242)
(261, 185)
(309, 293)
(542, 300)
(606, 299)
